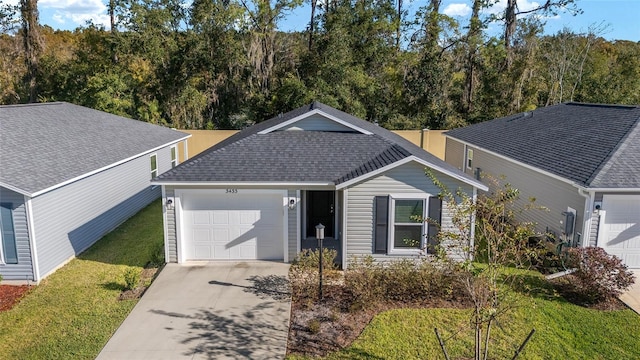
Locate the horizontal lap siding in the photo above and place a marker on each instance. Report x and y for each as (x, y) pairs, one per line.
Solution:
(172, 242)
(292, 230)
(408, 178)
(317, 123)
(23, 270)
(551, 193)
(70, 219)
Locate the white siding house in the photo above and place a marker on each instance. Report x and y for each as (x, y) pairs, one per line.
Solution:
(68, 176)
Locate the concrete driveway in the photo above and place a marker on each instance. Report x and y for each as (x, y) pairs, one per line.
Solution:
(632, 296)
(217, 310)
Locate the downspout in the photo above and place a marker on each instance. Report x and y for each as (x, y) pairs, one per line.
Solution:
(35, 264)
(588, 206)
(472, 233)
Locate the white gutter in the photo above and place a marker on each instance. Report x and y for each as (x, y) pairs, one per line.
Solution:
(261, 184)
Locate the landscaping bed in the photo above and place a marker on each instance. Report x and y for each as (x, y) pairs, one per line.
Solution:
(10, 295)
(567, 326)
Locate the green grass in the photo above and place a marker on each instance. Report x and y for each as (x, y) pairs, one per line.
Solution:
(74, 312)
(563, 331)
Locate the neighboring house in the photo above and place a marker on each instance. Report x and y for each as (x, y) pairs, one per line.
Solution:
(260, 193)
(581, 161)
(68, 176)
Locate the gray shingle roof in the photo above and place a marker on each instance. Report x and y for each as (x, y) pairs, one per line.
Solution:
(43, 145)
(592, 145)
(300, 156)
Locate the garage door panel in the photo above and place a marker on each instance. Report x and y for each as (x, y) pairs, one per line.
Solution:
(240, 226)
(622, 228)
(220, 217)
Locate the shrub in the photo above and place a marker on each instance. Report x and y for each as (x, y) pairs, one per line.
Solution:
(131, 278)
(362, 281)
(304, 276)
(314, 326)
(599, 276)
(156, 254)
(368, 282)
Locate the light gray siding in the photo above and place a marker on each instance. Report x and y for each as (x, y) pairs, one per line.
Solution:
(553, 194)
(454, 153)
(23, 270)
(70, 219)
(170, 226)
(292, 231)
(317, 123)
(408, 178)
(595, 216)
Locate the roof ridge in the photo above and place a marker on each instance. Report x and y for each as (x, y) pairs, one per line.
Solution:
(34, 104)
(613, 106)
(614, 153)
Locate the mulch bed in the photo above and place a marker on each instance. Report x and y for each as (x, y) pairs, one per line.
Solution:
(10, 295)
(334, 325)
(145, 277)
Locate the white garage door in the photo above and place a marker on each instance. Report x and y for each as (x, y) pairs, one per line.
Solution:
(233, 225)
(621, 233)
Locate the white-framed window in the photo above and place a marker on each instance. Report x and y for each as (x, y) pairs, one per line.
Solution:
(469, 158)
(406, 222)
(153, 163)
(174, 156)
(8, 250)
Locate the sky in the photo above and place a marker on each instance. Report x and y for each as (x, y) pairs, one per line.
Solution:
(620, 18)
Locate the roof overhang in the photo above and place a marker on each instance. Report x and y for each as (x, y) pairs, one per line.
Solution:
(257, 184)
(612, 190)
(311, 113)
(520, 163)
(544, 172)
(15, 189)
(80, 177)
(455, 175)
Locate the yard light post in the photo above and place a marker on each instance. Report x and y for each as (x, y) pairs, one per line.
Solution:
(320, 237)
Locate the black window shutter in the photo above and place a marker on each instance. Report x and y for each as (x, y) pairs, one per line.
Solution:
(435, 214)
(380, 224)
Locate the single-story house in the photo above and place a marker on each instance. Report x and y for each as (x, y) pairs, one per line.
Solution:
(260, 193)
(580, 161)
(68, 176)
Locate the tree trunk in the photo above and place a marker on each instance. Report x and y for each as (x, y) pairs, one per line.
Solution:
(112, 16)
(473, 42)
(509, 27)
(312, 22)
(32, 44)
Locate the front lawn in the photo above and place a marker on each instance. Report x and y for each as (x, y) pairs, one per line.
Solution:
(74, 312)
(563, 331)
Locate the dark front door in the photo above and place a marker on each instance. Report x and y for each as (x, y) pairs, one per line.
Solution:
(320, 210)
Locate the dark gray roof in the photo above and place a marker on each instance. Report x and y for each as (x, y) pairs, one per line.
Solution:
(301, 156)
(44, 145)
(592, 145)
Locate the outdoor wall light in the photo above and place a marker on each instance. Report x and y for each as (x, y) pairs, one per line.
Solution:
(169, 204)
(292, 204)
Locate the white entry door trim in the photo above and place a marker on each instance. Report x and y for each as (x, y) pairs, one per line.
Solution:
(182, 216)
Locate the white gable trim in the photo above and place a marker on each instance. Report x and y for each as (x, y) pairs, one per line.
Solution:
(474, 183)
(311, 113)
